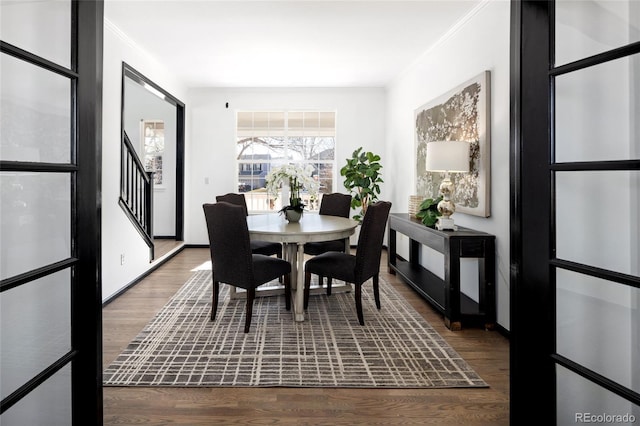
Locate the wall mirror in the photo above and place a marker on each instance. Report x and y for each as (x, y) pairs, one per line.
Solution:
(153, 120)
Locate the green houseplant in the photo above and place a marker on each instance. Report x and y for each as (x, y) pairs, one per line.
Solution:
(428, 211)
(362, 177)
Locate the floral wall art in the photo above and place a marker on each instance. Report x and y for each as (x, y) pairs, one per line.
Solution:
(462, 114)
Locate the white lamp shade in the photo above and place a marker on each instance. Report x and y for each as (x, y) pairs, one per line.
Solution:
(448, 156)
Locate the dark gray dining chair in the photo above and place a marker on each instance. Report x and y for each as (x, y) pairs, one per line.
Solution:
(334, 204)
(267, 248)
(358, 268)
(233, 262)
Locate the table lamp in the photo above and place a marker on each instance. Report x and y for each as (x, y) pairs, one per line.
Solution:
(447, 157)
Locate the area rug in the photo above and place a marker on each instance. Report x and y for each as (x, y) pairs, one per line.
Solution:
(182, 347)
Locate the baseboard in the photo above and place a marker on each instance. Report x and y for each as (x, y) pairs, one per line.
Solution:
(503, 331)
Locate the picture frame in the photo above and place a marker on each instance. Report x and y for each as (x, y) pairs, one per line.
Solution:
(460, 114)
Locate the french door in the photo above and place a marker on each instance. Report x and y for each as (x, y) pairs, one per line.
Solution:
(575, 212)
(50, 174)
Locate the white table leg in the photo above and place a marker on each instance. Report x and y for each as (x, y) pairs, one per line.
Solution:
(294, 254)
(290, 255)
(298, 301)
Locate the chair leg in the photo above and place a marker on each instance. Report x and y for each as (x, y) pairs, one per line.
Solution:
(279, 256)
(376, 290)
(358, 297)
(328, 286)
(251, 294)
(215, 288)
(320, 280)
(307, 287)
(287, 291)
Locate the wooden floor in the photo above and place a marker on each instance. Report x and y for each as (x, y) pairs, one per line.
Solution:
(486, 351)
(163, 246)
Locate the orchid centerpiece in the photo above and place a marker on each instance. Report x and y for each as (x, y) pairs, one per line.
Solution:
(298, 178)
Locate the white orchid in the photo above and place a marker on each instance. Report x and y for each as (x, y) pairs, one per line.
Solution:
(298, 177)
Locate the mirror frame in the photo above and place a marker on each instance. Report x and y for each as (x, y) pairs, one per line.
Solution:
(129, 72)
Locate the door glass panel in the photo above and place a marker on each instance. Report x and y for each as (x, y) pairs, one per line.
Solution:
(595, 111)
(35, 218)
(586, 28)
(598, 326)
(581, 401)
(36, 328)
(40, 27)
(594, 212)
(49, 404)
(35, 113)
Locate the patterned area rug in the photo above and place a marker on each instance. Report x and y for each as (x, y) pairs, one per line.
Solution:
(396, 348)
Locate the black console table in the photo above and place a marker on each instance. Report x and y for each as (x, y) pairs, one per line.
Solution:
(445, 295)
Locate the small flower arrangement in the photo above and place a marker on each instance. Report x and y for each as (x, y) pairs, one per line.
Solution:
(298, 178)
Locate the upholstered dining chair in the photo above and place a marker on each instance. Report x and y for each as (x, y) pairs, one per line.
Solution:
(267, 248)
(334, 204)
(358, 268)
(232, 261)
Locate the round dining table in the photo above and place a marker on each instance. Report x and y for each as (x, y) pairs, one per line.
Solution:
(293, 235)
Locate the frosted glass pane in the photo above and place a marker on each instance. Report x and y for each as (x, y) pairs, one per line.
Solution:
(580, 401)
(35, 218)
(35, 113)
(47, 405)
(596, 109)
(598, 326)
(595, 212)
(586, 28)
(40, 27)
(35, 329)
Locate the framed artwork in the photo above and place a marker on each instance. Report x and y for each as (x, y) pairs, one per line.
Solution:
(461, 114)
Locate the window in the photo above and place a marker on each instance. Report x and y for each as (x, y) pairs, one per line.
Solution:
(153, 148)
(267, 139)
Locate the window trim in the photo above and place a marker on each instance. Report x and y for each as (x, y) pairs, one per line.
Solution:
(286, 134)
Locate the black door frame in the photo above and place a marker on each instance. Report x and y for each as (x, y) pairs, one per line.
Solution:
(531, 304)
(533, 357)
(87, 299)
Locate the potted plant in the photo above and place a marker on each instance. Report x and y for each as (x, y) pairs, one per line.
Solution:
(362, 178)
(298, 178)
(428, 211)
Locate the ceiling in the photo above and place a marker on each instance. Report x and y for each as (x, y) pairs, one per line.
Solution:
(241, 43)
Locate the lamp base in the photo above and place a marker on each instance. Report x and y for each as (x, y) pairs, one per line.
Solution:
(446, 224)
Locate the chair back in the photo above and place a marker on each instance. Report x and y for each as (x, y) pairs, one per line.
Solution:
(369, 248)
(229, 244)
(335, 204)
(237, 199)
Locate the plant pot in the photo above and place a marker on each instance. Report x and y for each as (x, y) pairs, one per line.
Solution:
(293, 215)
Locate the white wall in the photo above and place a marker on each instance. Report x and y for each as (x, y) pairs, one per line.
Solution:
(119, 237)
(481, 43)
(211, 150)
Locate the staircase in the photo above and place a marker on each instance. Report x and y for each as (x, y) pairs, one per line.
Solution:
(136, 193)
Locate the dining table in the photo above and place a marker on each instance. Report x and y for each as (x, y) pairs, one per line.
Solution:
(293, 236)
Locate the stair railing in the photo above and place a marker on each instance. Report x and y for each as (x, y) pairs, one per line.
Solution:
(136, 193)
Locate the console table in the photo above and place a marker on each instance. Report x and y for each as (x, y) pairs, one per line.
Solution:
(445, 295)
